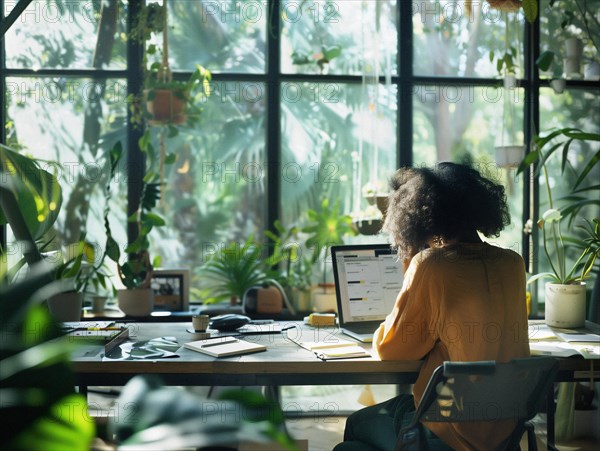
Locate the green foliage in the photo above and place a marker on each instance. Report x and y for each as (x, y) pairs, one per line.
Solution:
(327, 228)
(545, 146)
(505, 64)
(530, 8)
(286, 264)
(44, 411)
(544, 61)
(137, 270)
(36, 190)
(572, 204)
(157, 417)
(321, 59)
(230, 271)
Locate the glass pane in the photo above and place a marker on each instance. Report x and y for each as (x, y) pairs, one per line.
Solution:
(580, 109)
(223, 36)
(453, 123)
(339, 37)
(449, 42)
(70, 124)
(67, 34)
(214, 192)
(334, 142)
(560, 24)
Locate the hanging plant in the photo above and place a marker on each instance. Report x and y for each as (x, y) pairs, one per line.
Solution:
(530, 7)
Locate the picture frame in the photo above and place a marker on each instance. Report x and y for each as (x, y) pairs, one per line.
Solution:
(171, 289)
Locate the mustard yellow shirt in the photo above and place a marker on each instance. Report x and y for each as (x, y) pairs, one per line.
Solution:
(463, 302)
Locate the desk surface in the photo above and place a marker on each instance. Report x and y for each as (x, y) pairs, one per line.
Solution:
(284, 362)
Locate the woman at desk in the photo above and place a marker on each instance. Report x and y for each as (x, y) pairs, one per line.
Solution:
(462, 299)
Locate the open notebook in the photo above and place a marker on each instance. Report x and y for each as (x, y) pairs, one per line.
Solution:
(224, 346)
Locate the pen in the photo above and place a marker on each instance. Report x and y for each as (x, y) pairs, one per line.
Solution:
(208, 345)
(105, 328)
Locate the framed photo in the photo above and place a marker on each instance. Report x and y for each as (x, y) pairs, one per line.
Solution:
(171, 289)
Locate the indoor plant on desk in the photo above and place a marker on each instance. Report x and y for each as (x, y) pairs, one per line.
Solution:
(571, 313)
(231, 270)
(326, 228)
(137, 299)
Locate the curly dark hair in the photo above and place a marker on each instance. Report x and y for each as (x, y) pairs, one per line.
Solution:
(447, 202)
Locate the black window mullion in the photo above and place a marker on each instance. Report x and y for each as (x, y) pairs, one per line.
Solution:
(531, 127)
(135, 157)
(273, 129)
(404, 118)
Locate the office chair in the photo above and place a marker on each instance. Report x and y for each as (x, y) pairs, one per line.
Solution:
(477, 391)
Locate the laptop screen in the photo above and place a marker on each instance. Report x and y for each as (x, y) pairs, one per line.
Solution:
(368, 278)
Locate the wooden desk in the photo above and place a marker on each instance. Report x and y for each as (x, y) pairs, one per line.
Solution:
(284, 363)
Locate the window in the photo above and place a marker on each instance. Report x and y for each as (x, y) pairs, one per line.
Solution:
(310, 100)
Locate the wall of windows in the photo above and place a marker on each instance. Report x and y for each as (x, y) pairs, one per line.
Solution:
(309, 100)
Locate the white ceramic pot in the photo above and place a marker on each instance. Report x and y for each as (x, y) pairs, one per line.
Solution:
(323, 299)
(573, 48)
(509, 156)
(98, 304)
(66, 306)
(572, 68)
(510, 81)
(558, 85)
(138, 302)
(591, 71)
(565, 305)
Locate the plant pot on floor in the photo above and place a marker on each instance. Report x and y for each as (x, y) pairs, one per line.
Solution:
(66, 306)
(136, 302)
(565, 305)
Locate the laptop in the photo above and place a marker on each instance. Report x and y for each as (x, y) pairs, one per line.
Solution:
(368, 278)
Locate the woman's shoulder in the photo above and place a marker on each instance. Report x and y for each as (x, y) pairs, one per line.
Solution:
(466, 251)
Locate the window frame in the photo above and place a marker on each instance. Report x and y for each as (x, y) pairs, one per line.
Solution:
(404, 81)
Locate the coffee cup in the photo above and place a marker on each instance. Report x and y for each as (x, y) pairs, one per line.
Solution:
(200, 322)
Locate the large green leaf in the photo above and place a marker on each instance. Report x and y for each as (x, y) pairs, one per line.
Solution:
(36, 190)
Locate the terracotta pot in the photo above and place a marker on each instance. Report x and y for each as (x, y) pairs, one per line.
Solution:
(565, 305)
(137, 302)
(66, 306)
(167, 106)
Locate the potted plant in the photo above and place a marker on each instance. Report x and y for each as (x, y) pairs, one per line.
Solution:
(168, 102)
(288, 266)
(173, 102)
(231, 270)
(137, 299)
(565, 295)
(326, 228)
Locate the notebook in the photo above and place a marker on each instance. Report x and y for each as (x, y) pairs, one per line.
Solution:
(224, 346)
(334, 348)
(368, 278)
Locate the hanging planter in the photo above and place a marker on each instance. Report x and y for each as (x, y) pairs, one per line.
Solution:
(368, 226)
(166, 105)
(509, 156)
(558, 85)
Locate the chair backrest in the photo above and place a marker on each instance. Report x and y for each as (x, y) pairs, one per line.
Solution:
(487, 391)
